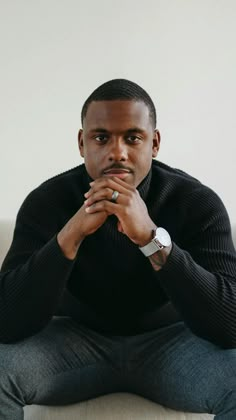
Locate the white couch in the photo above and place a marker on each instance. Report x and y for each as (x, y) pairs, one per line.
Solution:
(119, 406)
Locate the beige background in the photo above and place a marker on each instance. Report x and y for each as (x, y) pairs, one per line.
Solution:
(55, 52)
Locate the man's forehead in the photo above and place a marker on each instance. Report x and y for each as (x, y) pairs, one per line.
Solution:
(125, 112)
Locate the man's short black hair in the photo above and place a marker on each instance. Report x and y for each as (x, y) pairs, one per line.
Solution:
(120, 89)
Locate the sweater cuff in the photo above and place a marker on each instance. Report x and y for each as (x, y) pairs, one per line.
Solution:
(53, 248)
(174, 260)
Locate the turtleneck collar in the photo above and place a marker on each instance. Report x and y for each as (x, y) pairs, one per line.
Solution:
(143, 187)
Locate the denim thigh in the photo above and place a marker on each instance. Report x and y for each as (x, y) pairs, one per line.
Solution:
(64, 363)
(174, 367)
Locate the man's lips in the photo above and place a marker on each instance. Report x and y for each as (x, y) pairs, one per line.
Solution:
(119, 173)
(116, 171)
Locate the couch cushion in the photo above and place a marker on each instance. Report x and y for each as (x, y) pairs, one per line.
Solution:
(118, 406)
(6, 233)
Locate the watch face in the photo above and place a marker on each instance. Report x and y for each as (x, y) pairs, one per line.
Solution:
(163, 237)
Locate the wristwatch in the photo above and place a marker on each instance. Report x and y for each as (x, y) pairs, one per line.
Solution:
(160, 240)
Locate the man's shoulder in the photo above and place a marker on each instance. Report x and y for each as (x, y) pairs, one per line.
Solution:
(64, 190)
(176, 184)
(174, 180)
(185, 191)
(68, 177)
(170, 173)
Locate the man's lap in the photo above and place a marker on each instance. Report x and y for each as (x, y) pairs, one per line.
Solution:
(67, 362)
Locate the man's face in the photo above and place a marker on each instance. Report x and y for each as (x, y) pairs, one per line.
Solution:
(118, 139)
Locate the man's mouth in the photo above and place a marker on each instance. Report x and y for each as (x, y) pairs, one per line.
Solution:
(118, 172)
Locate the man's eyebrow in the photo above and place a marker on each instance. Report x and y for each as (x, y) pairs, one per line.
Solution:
(129, 130)
(136, 130)
(99, 129)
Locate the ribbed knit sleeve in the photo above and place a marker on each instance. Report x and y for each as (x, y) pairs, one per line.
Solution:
(33, 275)
(200, 274)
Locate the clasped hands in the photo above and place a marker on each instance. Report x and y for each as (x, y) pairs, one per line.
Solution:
(129, 208)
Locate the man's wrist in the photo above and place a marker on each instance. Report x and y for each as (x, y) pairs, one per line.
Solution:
(147, 238)
(159, 258)
(69, 243)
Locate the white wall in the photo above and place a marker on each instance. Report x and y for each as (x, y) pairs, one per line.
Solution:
(55, 52)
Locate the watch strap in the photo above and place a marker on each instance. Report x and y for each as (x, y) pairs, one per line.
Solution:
(151, 248)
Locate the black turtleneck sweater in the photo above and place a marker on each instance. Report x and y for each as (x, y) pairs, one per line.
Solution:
(111, 286)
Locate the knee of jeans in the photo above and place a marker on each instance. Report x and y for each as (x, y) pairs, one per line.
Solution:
(226, 403)
(13, 383)
(17, 380)
(12, 362)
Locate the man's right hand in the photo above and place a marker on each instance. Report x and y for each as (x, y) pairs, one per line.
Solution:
(77, 228)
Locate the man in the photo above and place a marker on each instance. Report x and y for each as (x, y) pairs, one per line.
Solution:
(121, 276)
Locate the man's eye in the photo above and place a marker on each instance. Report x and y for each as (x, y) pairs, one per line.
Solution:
(133, 139)
(101, 137)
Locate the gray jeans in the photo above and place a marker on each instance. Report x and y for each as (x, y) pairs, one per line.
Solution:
(67, 363)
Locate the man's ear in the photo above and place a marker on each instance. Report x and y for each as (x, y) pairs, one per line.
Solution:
(156, 143)
(81, 142)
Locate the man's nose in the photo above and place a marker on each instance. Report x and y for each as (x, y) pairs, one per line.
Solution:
(118, 150)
